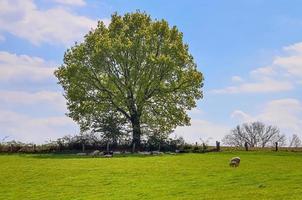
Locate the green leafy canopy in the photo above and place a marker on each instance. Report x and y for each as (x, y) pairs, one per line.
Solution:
(136, 67)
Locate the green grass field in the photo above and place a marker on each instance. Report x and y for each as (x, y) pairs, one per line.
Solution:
(261, 175)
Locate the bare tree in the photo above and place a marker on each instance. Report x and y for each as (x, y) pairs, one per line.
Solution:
(237, 137)
(270, 134)
(295, 141)
(255, 134)
(280, 138)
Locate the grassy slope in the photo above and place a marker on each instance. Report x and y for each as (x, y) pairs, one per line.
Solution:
(265, 175)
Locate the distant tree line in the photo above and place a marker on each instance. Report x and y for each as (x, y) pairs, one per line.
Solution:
(112, 137)
(91, 141)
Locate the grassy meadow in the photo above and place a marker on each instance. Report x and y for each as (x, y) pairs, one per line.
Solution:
(261, 175)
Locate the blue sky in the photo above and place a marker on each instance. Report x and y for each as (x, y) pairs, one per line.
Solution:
(250, 53)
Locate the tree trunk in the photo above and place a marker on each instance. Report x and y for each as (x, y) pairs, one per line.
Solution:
(107, 148)
(83, 147)
(136, 135)
(133, 147)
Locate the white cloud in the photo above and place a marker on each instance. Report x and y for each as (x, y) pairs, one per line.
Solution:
(71, 2)
(54, 26)
(26, 98)
(282, 75)
(15, 67)
(242, 116)
(237, 79)
(202, 129)
(295, 48)
(263, 71)
(262, 86)
(284, 113)
(291, 64)
(28, 129)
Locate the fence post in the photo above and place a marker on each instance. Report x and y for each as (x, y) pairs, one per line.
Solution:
(276, 143)
(217, 146)
(83, 147)
(246, 146)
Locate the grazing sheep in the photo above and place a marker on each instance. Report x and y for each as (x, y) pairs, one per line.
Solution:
(96, 153)
(144, 153)
(234, 162)
(156, 153)
(81, 154)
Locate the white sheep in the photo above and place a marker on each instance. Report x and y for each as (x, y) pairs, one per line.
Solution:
(234, 162)
(81, 154)
(95, 153)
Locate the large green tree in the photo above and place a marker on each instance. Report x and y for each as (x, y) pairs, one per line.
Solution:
(136, 67)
